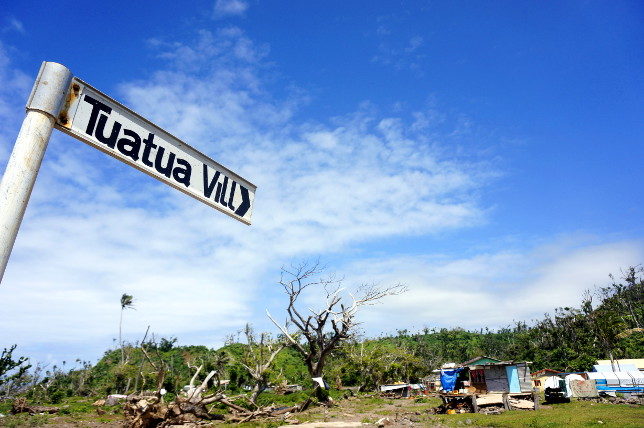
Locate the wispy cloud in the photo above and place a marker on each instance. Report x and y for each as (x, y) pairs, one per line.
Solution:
(13, 94)
(405, 55)
(360, 164)
(400, 51)
(226, 8)
(414, 43)
(14, 25)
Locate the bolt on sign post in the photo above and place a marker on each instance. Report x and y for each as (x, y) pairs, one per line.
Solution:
(74, 107)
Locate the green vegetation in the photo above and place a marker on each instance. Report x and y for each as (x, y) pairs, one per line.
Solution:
(12, 370)
(24, 420)
(5, 406)
(607, 324)
(283, 400)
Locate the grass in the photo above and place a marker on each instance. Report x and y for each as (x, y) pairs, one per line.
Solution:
(76, 405)
(574, 414)
(72, 409)
(369, 409)
(23, 420)
(568, 415)
(5, 406)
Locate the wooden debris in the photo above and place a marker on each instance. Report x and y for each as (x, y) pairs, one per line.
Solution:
(114, 399)
(485, 399)
(383, 422)
(20, 405)
(521, 404)
(190, 408)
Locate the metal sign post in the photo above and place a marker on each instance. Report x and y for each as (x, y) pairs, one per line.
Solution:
(74, 107)
(45, 102)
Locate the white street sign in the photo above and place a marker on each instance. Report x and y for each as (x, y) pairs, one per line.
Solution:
(60, 100)
(107, 125)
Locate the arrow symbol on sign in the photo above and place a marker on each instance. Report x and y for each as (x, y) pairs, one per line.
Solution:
(245, 205)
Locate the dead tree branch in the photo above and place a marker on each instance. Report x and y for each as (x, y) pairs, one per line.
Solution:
(323, 329)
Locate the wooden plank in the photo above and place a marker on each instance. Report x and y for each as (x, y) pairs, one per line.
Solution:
(482, 400)
(535, 398)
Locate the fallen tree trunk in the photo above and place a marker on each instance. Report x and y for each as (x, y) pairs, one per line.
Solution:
(20, 406)
(150, 412)
(266, 412)
(190, 407)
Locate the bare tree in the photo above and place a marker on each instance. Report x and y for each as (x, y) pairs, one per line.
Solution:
(258, 357)
(324, 329)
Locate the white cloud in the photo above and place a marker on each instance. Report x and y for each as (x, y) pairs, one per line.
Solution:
(14, 25)
(225, 8)
(363, 177)
(400, 51)
(414, 43)
(13, 95)
(493, 289)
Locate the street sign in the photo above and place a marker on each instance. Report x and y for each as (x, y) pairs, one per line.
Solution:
(67, 103)
(96, 119)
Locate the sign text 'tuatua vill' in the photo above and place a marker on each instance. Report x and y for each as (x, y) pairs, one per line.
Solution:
(94, 118)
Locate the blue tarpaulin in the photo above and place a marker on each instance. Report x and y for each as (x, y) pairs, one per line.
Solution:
(448, 379)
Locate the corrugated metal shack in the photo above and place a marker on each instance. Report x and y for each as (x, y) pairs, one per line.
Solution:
(506, 384)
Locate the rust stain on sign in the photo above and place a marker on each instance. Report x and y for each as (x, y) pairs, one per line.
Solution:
(72, 94)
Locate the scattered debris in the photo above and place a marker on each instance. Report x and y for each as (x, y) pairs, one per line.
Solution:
(114, 399)
(491, 410)
(518, 404)
(100, 402)
(384, 421)
(401, 390)
(336, 424)
(20, 406)
(632, 400)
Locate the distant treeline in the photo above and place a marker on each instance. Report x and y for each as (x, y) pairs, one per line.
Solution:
(607, 324)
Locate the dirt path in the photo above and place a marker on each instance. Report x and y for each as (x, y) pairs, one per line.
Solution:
(370, 412)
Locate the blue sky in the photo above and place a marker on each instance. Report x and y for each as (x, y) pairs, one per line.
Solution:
(487, 153)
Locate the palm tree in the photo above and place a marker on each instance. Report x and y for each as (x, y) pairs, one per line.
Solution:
(127, 302)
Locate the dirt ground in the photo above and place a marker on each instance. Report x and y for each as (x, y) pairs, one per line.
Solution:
(368, 412)
(350, 412)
